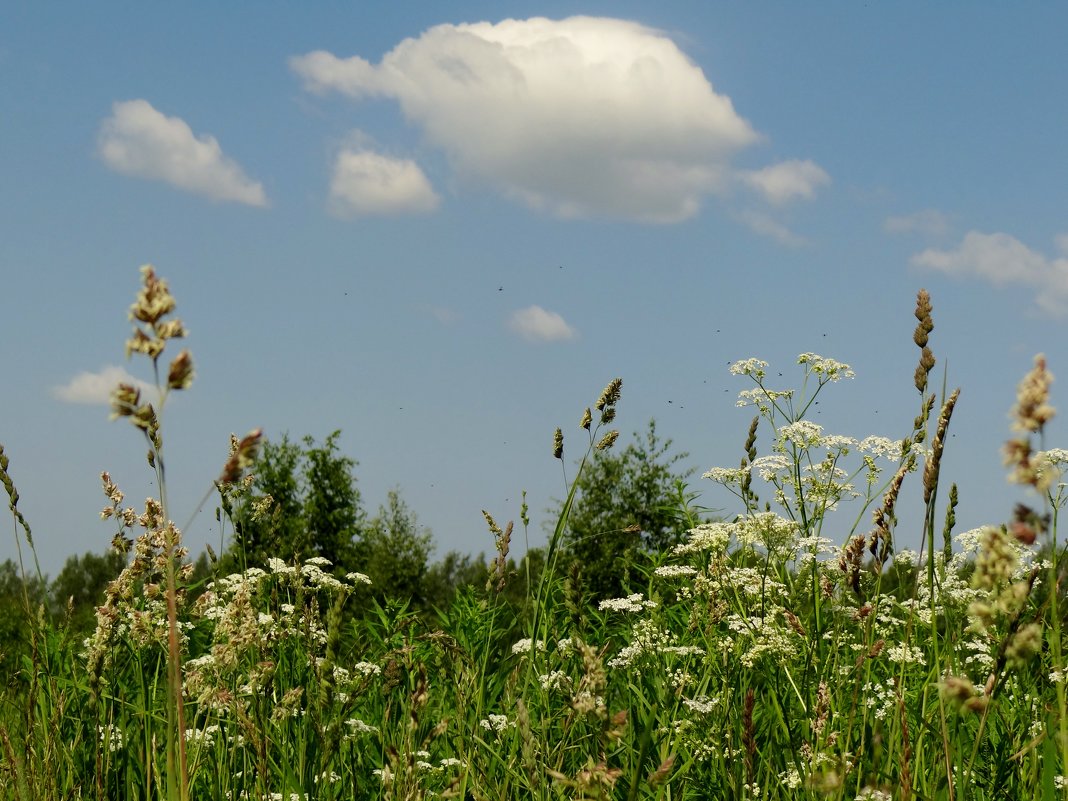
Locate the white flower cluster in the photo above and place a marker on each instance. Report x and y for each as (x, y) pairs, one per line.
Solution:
(495, 723)
(635, 602)
(826, 369)
(755, 368)
(525, 646)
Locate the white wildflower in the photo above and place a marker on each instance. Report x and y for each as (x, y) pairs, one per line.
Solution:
(750, 367)
(674, 571)
(826, 369)
(632, 603)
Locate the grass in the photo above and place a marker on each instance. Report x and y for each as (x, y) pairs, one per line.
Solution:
(758, 659)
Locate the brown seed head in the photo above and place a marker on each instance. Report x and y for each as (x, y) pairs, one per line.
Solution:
(1032, 410)
(558, 444)
(180, 374)
(154, 300)
(242, 456)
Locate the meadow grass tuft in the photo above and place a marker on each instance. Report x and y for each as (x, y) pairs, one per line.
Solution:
(786, 650)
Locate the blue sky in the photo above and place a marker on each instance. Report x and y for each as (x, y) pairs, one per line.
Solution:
(443, 233)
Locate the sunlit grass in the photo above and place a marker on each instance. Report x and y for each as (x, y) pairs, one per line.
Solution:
(758, 659)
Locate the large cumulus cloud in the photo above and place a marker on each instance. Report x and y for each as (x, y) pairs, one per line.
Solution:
(579, 117)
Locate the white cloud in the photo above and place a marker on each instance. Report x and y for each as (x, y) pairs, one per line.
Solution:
(578, 117)
(95, 388)
(366, 182)
(1003, 260)
(140, 141)
(536, 324)
(762, 224)
(787, 180)
(929, 222)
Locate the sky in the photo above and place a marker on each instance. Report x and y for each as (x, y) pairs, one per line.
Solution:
(443, 227)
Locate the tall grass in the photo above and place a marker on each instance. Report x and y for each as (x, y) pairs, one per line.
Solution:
(792, 650)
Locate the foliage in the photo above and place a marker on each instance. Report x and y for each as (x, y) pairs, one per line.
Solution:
(623, 513)
(755, 657)
(80, 585)
(393, 551)
(303, 502)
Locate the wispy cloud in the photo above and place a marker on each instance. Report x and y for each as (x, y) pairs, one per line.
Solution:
(577, 117)
(369, 183)
(95, 388)
(1003, 260)
(760, 223)
(536, 324)
(788, 180)
(929, 222)
(444, 315)
(138, 140)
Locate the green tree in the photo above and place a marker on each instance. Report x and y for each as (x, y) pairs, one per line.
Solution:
(20, 600)
(393, 550)
(625, 509)
(303, 502)
(79, 587)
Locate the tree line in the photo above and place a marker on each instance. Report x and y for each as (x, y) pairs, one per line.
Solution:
(303, 500)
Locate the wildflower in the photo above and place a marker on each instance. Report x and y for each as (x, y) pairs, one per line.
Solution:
(495, 723)
(632, 603)
(826, 369)
(525, 646)
(674, 571)
(754, 368)
(727, 475)
(803, 433)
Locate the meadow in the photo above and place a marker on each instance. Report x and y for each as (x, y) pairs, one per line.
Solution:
(755, 658)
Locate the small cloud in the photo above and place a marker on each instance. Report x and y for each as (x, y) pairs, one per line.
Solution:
(137, 140)
(95, 388)
(1002, 260)
(762, 224)
(580, 117)
(787, 180)
(536, 324)
(367, 183)
(444, 315)
(929, 222)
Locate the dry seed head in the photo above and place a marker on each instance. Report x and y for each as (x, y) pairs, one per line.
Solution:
(587, 418)
(558, 444)
(658, 776)
(1024, 645)
(931, 468)
(140, 342)
(493, 527)
(607, 441)
(154, 300)
(1032, 410)
(243, 454)
(180, 374)
(170, 329)
(610, 395)
(125, 399)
